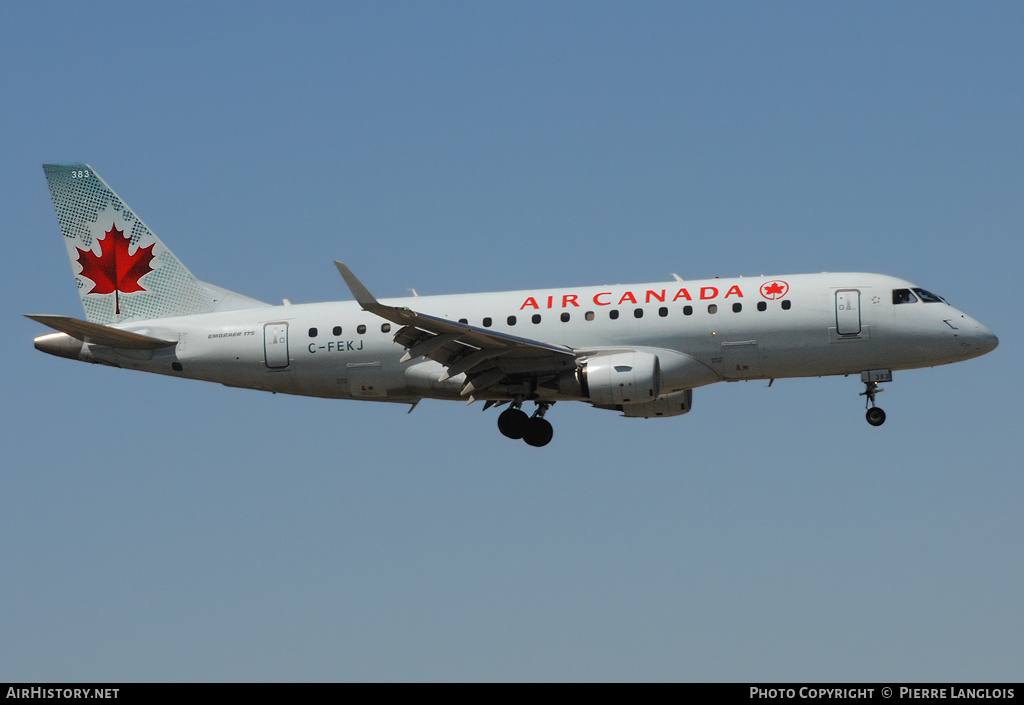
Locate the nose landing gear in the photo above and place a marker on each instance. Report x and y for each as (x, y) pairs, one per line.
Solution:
(871, 378)
(535, 430)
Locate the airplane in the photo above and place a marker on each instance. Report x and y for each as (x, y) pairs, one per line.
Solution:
(638, 349)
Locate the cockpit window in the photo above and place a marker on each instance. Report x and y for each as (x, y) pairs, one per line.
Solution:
(928, 297)
(903, 296)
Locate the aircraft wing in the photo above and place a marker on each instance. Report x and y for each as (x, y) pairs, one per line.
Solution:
(485, 356)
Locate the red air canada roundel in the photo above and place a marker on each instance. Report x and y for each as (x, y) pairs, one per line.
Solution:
(775, 289)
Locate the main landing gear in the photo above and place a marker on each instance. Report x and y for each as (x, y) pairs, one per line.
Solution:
(874, 415)
(535, 430)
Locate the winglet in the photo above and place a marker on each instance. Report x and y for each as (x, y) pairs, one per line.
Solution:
(360, 292)
(367, 300)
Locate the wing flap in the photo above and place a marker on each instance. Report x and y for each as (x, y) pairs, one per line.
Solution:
(425, 343)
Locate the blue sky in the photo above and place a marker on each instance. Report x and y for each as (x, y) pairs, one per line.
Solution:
(160, 529)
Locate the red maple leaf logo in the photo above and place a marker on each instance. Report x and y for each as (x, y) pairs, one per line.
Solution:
(114, 270)
(774, 289)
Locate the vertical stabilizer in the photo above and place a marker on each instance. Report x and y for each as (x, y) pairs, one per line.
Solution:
(123, 271)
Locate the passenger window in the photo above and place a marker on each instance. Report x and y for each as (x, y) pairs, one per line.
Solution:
(737, 307)
(312, 332)
(613, 314)
(903, 296)
(712, 308)
(786, 305)
(360, 329)
(487, 322)
(565, 318)
(464, 321)
(589, 315)
(385, 328)
(638, 313)
(762, 306)
(663, 311)
(511, 320)
(535, 318)
(337, 330)
(687, 310)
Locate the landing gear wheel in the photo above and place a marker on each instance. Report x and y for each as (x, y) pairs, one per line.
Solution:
(512, 423)
(874, 415)
(538, 432)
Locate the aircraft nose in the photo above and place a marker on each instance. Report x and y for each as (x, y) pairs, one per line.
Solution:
(985, 339)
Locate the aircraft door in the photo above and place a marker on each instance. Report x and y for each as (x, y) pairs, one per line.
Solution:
(848, 312)
(366, 379)
(275, 345)
(741, 359)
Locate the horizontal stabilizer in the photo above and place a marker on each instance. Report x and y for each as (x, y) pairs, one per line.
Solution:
(99, 334)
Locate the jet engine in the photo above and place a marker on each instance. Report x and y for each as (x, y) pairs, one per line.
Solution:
(646, 383)
(621, 378)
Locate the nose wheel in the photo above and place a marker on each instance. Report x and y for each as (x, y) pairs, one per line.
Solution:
(535, 430)
(874, 415)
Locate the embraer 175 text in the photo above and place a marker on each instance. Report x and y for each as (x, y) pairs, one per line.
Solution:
(639, 349)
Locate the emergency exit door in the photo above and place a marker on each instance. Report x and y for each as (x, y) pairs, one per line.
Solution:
(275, 345)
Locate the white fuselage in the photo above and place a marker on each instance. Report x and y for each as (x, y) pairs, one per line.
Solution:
(746, 328)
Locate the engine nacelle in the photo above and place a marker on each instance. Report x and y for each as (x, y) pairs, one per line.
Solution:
(621, 378)
(674, 404)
